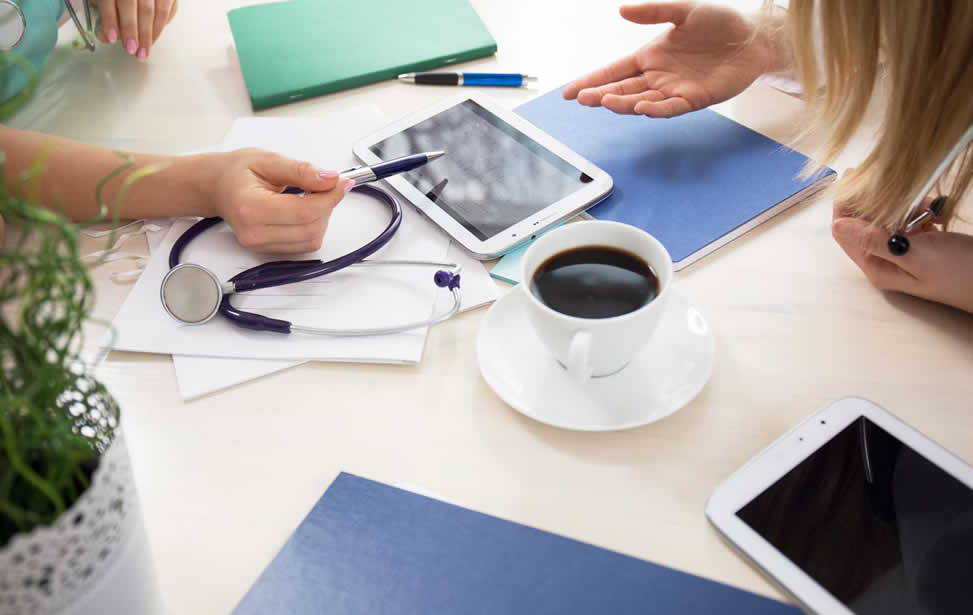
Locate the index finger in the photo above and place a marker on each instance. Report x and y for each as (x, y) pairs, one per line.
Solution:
(616, 71)
(109, 21)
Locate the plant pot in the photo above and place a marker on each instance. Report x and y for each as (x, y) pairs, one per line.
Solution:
(94, 559)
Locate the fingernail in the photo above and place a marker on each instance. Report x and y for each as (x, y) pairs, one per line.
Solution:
(327, 174)
(130, 46)
(142, 54)
(112, 35)
(349, 185)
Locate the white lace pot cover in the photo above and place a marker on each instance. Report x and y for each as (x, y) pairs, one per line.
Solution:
(99, 541)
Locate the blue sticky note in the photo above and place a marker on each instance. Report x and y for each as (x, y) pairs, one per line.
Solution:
(507, 268)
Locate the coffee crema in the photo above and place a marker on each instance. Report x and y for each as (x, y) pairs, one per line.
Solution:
(595, 282)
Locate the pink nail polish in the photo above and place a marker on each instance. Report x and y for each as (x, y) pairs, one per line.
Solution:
(349, 185)
(327, 174)
(112, 35)
(142, 54)
(130, 46)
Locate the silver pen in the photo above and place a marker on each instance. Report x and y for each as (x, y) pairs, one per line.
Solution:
(898, 243)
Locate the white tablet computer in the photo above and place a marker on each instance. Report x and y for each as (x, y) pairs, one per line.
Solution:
(853, 511)
(502, 180)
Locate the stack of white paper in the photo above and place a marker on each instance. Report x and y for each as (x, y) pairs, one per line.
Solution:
(361, 297)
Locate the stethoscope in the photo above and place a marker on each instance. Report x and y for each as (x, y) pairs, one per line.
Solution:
(898, 243)
(192, 294)
(13, 24)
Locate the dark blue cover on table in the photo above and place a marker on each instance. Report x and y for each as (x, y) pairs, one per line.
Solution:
(367, 548)
(687, 180)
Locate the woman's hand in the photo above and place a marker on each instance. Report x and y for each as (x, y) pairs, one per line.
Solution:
(711, 54)
(246, 192)
(136, 23)
(938, 265)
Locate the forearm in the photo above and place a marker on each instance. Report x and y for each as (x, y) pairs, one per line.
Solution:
(72, 171)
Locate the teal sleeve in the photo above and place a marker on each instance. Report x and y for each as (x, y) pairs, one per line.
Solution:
(40, 36)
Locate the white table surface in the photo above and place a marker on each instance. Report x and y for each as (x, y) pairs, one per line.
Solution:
(224, 480)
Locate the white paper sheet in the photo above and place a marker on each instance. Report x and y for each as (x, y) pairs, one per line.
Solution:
(198, 376)
(346, 299)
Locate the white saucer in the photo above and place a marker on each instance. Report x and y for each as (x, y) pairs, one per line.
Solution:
(664, 376)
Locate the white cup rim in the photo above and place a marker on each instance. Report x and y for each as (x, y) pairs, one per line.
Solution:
(527, 277)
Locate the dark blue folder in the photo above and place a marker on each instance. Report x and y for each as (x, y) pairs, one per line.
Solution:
(367, 548)
(694, 181)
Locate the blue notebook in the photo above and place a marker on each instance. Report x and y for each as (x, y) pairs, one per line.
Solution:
(695, 181)
(367, 548)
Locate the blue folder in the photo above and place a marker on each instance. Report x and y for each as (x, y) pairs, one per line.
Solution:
(695, 181)
(368, 548)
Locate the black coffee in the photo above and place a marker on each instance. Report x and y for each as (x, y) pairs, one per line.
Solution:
(595, 282)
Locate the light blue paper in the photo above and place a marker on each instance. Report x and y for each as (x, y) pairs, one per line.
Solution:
(507, 268)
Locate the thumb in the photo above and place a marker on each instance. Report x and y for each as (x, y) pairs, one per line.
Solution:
(657, 12)
(282, 171)
(862, 237)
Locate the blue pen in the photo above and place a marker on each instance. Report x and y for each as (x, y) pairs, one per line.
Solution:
(375, 172)
(509, 80)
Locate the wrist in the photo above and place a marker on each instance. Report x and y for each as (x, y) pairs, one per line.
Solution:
(772, 42)
(201, 173)
(185, 183)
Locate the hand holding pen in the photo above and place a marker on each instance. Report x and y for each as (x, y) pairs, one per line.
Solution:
(244, 187)
(938, 267)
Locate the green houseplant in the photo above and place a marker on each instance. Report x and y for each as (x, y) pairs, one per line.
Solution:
(68, 507)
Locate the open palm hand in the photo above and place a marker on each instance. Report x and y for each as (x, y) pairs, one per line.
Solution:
(711, 54)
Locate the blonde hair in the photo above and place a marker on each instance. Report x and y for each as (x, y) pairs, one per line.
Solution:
(923, 49)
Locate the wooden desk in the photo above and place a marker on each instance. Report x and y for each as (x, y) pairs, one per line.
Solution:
(224, 480)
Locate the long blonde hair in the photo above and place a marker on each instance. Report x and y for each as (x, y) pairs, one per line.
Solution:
(924, 51)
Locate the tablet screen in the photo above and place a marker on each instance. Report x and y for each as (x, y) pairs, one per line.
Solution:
(492, 177)
(876, 524)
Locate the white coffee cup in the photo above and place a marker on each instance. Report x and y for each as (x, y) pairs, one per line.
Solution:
(594, 347)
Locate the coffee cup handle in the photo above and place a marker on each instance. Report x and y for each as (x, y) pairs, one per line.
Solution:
(579, 356)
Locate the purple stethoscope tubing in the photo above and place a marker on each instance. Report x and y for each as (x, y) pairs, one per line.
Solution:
(279, 273)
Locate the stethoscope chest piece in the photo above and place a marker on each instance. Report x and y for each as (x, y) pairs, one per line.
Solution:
(191, 293)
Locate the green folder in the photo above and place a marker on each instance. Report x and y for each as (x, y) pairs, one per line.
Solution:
(303, 48)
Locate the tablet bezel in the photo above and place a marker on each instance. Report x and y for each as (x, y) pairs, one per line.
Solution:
(780, 458)
(586, 196)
